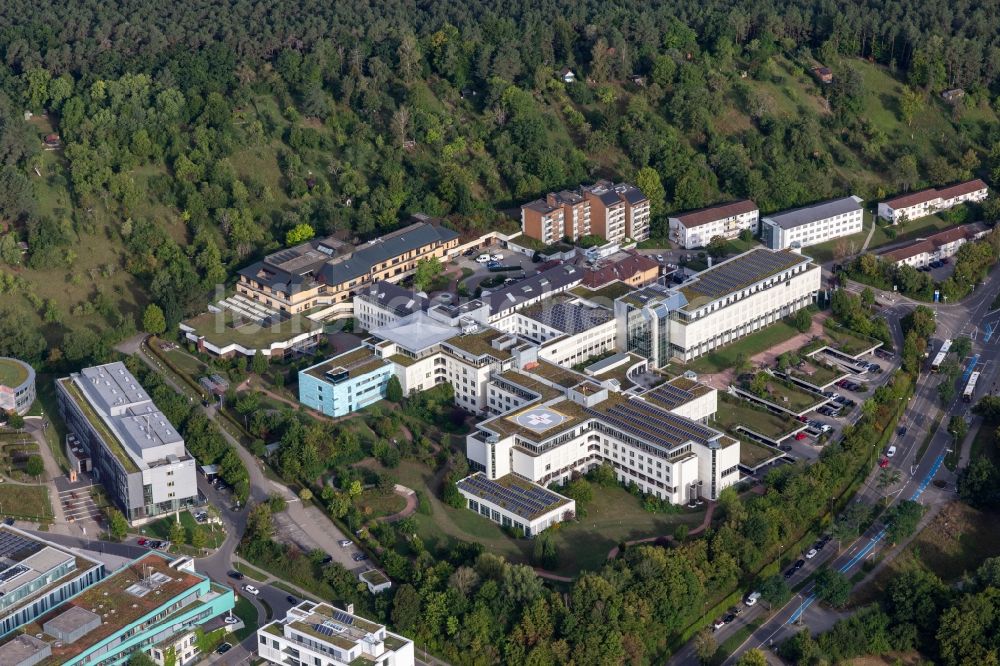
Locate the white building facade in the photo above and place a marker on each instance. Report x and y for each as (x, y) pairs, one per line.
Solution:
(813, 224)
(697, 228)
(915, 205)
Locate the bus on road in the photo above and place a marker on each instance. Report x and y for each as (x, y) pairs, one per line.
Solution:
(941, 355)
(970, 388)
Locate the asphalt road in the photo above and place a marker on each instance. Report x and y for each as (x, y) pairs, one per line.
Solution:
(970, 317)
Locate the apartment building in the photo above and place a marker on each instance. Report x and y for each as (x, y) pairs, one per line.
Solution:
(642, 436)
(37, 576)
(17, 385)
(717, 306)
(143, 605)
(942, 245)
(698, 227)
(612, 211)
(127, 443)
(320, 634)
(915, 205)
(345, 383)
(813, 224)
(327, 271)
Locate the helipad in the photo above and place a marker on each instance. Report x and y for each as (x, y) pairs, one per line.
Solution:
(539, 419)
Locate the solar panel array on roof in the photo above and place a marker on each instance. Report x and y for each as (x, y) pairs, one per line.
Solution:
(742, 271)
(525, 502)
(13, 572)
(671, 395)
(654, 425)
(14, 547)
(342, 617)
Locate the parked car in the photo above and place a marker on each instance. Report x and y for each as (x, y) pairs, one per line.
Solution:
(790, 572)
(876, 368)
(729, 618)
(359, 557)
(468, 253)
(883, 463)
(785, 447)
(224, 648)
(718, 624)
(890, 452)
(327, 559)
(292, 600)
(811, 553)
(799, 436)
(231, 620)
(752, 598)
(803, 419)
(735, 610)
(901, 430)
(233, 573)
(344, 543)
(250, 589)
(799, 564)
(497, 257)
(142, 541)
(483, 258)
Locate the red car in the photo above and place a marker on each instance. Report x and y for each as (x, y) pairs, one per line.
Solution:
(143, 541)
(803, 418)
(800, 436)
(883, 463)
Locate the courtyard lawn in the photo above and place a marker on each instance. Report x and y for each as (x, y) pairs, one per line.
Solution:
(614, 515)
(160, 529)
(734, 412)
(846, 341)
(790, 396)
(247, 612)
(753, 453)
(25, 502)
(724, 358)
(817, 374)
(375, 505)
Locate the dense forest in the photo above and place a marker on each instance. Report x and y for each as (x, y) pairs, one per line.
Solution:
(194, 136)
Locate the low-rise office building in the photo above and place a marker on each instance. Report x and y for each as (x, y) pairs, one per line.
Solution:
(942, 245)
(345, 383)
(633, 269)
(813, 224)
(127, 443)
(698, 227)
(567, 330)
(17, 385)
(914, 205)
(38, 575)
(510, 501)
(138, 607)
(319, 634)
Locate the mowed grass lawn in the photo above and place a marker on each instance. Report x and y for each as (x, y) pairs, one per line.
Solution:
(613, 516)
(791, 396)
(724, 358)
(25, 502)
(734, 412)
(754, 453)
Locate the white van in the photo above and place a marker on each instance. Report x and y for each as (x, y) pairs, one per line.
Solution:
(752, 598)
(483, 258)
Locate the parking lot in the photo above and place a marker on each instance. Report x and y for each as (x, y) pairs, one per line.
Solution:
(481, 272)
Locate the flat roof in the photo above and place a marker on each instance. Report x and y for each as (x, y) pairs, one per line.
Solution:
(548, 281)
(480, 343)
(416, 332)
(526, 381)
(738, 273)
(225, 328)
(330, 624)
(676, 392)
(139, 588)
(519, 496)
(820, 211)
(569, 317)
(556, 374)
(356, 362)
(13, 372)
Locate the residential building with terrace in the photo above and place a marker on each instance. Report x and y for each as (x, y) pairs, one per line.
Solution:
(127, 443)
(698, 227)
(148, 603)
(612, 211)
(915, 205)
(319, 634)
(326, 271)
(813, 224)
